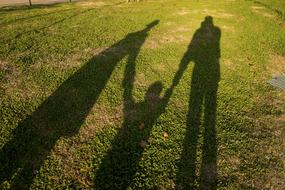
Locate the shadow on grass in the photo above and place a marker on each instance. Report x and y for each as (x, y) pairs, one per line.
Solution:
(204, 51)
(62, 114)
(121, 163)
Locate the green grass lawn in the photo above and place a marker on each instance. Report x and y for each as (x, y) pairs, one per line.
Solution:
(150, 95)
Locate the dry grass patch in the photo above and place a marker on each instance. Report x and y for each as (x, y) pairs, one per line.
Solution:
(261, 12)
(257, 7)
(169, 23)
(161, 67)
(276, 65)
(182, 12)
(178, 35)
(74, 155)
(74, 163)
(9, 69)
(140, 80)
(2, 64)
(91, 4)
(227, 28)
(234, 161)
(101, 116)
(218, 13)
(275, 181)
(22, 87)
(229, 64)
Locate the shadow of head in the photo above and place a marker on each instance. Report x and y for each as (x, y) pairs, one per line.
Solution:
(208, 22)
(153, 92)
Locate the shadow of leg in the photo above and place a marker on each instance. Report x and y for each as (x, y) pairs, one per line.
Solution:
(187, 166)
(208, 171)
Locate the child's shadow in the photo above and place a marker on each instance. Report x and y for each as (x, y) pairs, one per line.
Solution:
(122, 161)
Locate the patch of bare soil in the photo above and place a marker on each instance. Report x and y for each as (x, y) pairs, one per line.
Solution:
(174, 35)
(91, 4)
(260, 11)
(140, 80)
(218, 13)
(227, 28)
(183, 12)
(277, 65)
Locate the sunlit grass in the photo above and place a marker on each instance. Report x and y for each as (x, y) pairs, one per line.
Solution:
(63, 73)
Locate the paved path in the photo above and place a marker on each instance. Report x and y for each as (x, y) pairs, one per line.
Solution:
(26, 2)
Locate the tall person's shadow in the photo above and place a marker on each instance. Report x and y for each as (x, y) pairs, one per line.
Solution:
(63, 113)
(204, 51)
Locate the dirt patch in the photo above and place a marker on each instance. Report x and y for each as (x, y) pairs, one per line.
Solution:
(26, 2)
(5, 71)
(3, 66)
(228, 63)
(91, 4)
(234, 161)
(174, 38)
(218, 13)
(74, 155)
(140, 80)
(276, 65)
(275, 181)
(74, 162)
(176, 35)
(7, 68)
(228, 28)
(180, 104)
(169, 23)
(101, 116)
(260, 12)
(181, 29)
(257, 7)
(182, 12)
(268, 15)
(151, 43)
(159, 67)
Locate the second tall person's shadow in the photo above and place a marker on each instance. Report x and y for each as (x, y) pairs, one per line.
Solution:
(204, 51)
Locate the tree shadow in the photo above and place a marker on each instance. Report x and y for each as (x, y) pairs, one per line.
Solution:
(119, 165)
(63, 113)
(204, 51)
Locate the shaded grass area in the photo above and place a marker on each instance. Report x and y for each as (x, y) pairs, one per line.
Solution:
(150, 95)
